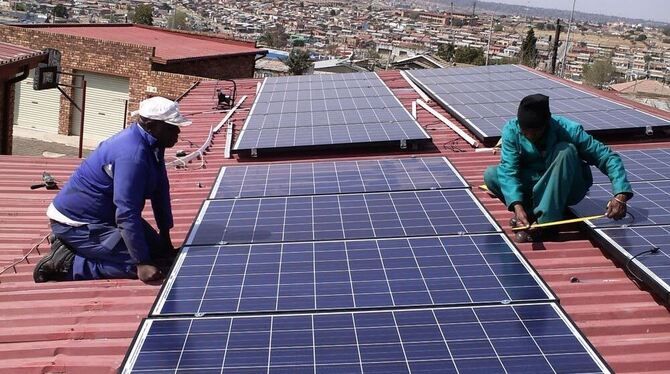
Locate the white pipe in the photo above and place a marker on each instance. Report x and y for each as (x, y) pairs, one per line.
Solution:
(450, 124)
(192, 155)
(230, 114)
(229, 139)
(415, 87)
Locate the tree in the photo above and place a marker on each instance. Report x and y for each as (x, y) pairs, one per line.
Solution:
(298, 61)
(446, 51)
(469, 55)
(666, 31)
(60, 11)
(641, 38)
(528, 51)
(333, 12)
(598, 73)
(20, 7)
(178, 21)
(143, 15)
(298, 43)
(275, 37)
(498, 27)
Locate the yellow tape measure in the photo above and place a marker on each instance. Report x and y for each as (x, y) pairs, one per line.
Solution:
(555, 223)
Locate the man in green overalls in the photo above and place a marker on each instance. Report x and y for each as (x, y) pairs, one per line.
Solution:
(544, 167)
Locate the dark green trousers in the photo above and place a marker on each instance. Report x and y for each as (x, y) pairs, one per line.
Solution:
(565, 181)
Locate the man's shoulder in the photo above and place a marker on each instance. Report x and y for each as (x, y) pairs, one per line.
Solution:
(566, 123)
(511, 128)
(126, 144)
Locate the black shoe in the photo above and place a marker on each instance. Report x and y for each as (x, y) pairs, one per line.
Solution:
(55, 265)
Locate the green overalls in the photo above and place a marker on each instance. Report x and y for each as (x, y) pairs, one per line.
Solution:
(549, 177)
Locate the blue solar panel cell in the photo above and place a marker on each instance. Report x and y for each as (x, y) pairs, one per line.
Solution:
(335, 217)
(318, 178)
(356, 108)
(349, 275)
(653, 266)
(649, 206)
(641, 166)
(535, 338)
(484, 98)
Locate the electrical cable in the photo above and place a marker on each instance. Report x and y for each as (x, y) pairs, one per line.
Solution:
(654, 249)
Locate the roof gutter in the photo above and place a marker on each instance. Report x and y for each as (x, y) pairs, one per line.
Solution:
(5, 126)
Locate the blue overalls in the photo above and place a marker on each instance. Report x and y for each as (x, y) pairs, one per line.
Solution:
(108, 192)
(548, 178)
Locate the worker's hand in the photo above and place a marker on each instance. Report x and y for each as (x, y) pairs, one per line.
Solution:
(521, 216)
(148, 273)
(616, 208)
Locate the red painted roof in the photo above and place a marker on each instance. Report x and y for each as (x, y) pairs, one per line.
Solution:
(86, 327)
(11, 53)
(169, 45)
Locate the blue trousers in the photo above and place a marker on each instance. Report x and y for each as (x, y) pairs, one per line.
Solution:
(565, 181)
(100, 250)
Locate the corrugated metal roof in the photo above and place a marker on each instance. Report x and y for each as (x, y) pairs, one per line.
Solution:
(86, 327)
(169, 45)
(11, 53)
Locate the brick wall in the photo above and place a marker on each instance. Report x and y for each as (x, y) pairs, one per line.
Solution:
(172, 85)
(222, 67)
(125, 60)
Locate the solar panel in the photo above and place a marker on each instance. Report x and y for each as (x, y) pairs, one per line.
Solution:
(356, 274)
(318, 178)
(641, 165)
(335, 217)
(484, 98)
(649, 206)
(530, 338)
(326, 110)
(653, 268)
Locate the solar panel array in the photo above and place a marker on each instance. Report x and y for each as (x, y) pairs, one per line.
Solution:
(372, 266)
(336, 177)
(534, 338)
(437, 270)
(632, 239)
(321, 110)
(486, 97)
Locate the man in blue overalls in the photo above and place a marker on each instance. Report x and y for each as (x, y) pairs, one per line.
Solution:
(544, 167)
(97, 217)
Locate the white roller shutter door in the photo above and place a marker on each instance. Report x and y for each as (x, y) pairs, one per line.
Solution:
(36, 110)
(106, 97)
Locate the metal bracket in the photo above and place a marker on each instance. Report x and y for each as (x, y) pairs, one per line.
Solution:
(403, 143)
(254, 152)
(649, 131)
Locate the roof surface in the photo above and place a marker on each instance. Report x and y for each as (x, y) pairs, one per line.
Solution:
(646, 86)
(86, 327)
(169, 45)
(10, 53)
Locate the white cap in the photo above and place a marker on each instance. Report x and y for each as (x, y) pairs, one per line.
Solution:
(162, 109)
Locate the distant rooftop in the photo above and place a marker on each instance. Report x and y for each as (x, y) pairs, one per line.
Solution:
(169, 45)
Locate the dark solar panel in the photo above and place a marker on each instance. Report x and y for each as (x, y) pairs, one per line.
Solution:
(641, 165)
(649, 206)
(311, 276)
(530, 338)
(326, 110)
(484, 98)
(653, 268)
(335, 217)
(318, 178)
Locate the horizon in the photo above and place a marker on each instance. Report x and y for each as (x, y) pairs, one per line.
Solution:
(652, 10)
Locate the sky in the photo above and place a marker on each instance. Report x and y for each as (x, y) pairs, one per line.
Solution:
(656, 10)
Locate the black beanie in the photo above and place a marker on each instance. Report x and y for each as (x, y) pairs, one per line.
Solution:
(534, 111)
